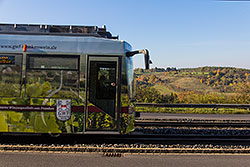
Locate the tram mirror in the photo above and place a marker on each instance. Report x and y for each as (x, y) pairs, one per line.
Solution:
(146, 56)
(147, 59)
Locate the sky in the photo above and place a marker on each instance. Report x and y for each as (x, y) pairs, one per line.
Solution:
(177, 33)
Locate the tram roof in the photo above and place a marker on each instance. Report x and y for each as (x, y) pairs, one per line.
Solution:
(69, 30)
(60, 39)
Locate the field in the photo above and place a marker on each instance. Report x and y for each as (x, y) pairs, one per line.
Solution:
(203, 85)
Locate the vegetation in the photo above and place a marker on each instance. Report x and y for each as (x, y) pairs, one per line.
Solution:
(203, 85)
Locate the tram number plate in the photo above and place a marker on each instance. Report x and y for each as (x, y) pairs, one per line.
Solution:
(63, 110)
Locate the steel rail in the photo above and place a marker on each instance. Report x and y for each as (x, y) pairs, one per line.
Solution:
(66, 139)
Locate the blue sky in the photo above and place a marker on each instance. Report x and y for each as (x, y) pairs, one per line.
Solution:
(178, 33)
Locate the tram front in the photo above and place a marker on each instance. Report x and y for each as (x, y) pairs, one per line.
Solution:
(109, 91)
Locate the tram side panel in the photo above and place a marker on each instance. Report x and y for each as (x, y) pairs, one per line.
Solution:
(30, 106)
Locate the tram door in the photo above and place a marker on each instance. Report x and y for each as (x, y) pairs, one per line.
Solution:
(102, 105)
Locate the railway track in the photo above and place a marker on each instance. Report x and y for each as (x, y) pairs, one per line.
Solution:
(145, 134)
(135, 143)
(118, 145)
(121, 139)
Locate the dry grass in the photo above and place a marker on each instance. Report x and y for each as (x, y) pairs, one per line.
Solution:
(180, 84)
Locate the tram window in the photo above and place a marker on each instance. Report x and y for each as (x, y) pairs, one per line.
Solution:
(10, 75)
(42, 83)
(106, 83)
(53, 62)
(103, 80)
(52, 75)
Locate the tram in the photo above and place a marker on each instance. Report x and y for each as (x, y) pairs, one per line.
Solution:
(65, 79)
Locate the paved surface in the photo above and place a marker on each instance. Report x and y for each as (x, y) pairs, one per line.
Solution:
(13, 159)
(196, 116)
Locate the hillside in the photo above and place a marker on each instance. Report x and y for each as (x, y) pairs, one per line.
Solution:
(203, 79)
(216, 82)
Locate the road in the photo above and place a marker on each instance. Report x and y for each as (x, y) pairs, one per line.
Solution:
(196, 116)
(18, 159)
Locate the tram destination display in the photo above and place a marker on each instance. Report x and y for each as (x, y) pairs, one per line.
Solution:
(7, 59)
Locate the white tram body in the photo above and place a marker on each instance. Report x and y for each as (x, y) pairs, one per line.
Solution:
(64, 79)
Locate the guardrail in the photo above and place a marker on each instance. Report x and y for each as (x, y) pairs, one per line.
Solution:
(150, 123)
(165, 105)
